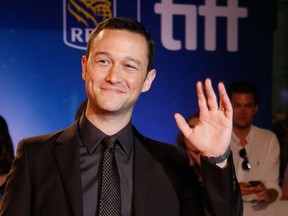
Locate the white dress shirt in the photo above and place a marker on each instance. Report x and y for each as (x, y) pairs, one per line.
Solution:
(263, 153)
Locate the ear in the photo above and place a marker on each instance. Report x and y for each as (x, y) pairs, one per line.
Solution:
(148, 81)
(84, 66)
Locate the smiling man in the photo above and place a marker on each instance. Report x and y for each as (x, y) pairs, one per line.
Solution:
(101, 165)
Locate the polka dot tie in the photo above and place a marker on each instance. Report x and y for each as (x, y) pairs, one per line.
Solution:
(110, 199)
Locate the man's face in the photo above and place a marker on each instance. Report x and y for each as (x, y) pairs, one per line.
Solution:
(244, 109)
(116, 71)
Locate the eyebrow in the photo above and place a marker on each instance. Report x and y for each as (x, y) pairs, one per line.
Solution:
(129, 58)
(102, 53)
(136, 61)
(245, 104)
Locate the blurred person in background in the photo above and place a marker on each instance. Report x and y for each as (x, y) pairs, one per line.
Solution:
(6, 154)
(285, 185)
(285, 178)
(256, 151)
(194, 154)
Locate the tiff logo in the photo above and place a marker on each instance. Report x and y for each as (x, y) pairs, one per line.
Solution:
(232, 12)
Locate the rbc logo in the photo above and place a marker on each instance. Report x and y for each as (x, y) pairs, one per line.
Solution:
(81, 17)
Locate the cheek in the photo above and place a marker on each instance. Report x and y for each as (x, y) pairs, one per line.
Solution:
(251, 113)
(236, 111)
(91, 82)
(135, 83)
(93, 76)
(89, 87)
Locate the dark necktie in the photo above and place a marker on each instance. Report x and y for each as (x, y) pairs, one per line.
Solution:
(110, 198)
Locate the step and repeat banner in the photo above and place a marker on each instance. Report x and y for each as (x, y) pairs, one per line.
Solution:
(42, 42)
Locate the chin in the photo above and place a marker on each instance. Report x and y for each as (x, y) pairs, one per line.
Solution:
(242, 126)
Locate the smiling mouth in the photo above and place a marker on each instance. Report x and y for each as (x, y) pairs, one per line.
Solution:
(112, 90)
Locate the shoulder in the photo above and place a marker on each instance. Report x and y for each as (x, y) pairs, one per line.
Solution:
(163, 151)
(41, 138)
(267, 138)
(47, 140)
(263, 132)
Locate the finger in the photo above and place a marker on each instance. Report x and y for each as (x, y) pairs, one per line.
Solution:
(202, 103)
(211, 96)
(263, 186)
(182, 124)
(224, 100)
(244, 184)
(261, 196)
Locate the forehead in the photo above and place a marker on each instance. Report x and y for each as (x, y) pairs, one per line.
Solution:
(242, 98)
(114, 38)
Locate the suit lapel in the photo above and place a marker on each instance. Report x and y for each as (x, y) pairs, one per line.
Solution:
(68, 160)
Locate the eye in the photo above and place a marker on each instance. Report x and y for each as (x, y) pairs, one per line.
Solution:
(102, 61)
(250, 106)
(235, 105)
(130, 66)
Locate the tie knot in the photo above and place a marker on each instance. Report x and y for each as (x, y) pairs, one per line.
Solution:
(109, 142)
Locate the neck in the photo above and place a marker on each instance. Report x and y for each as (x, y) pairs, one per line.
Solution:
(110, 124)
(242, 133)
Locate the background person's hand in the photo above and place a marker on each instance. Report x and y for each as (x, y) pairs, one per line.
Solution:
(246, 188)
(265, 195)
(261, 193)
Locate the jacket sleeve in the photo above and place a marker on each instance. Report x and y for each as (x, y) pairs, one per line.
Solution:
(221, 192)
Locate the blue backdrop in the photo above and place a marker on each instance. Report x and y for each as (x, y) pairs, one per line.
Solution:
(41, 85)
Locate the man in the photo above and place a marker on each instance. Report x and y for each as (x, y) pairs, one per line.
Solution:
(255, 150)
(59, 174)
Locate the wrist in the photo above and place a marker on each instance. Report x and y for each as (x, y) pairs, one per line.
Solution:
(219, 159)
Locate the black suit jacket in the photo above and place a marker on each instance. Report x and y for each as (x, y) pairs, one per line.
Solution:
(45, 180)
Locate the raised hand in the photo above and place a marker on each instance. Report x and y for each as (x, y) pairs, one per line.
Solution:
(211, 136)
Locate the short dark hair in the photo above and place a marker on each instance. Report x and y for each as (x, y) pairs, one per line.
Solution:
(121, 23)
(243, 87)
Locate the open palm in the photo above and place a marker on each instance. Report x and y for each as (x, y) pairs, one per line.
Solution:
(211, 136)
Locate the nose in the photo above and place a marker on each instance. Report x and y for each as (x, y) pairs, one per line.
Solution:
(242, 110)
(114, 75)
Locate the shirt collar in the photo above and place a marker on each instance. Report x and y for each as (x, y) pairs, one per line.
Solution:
(248, 137)
(92, 136)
